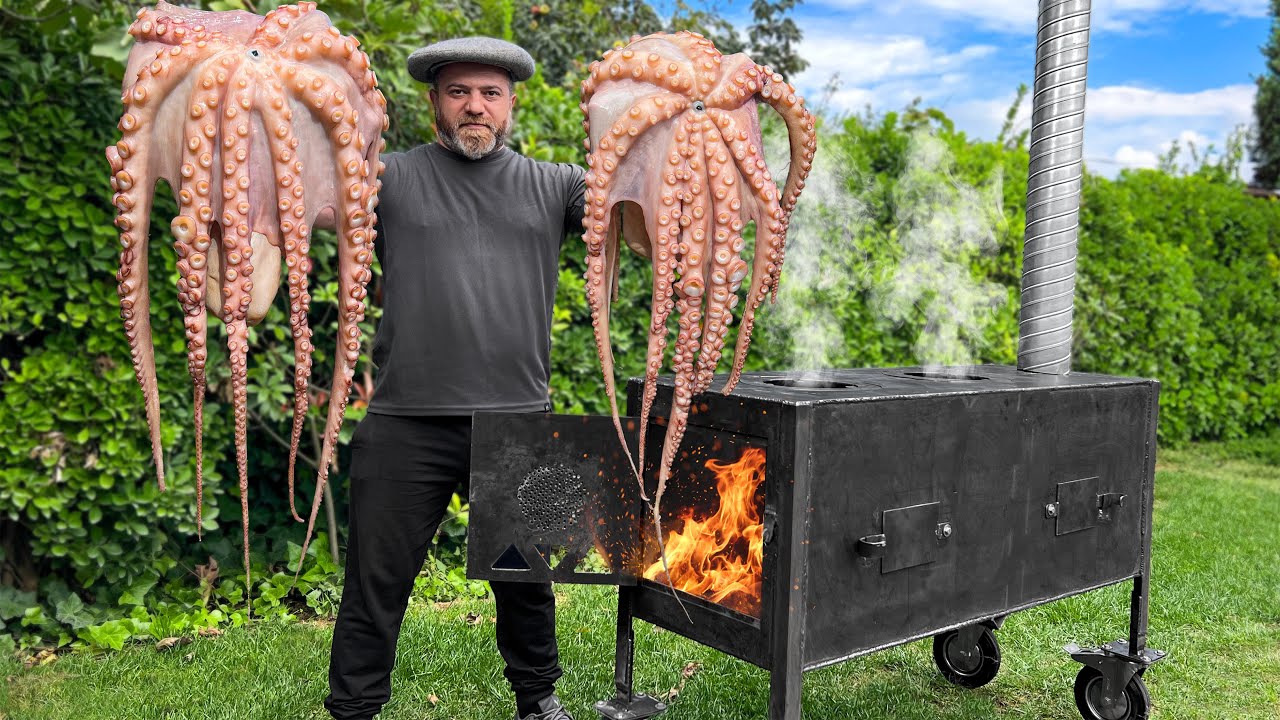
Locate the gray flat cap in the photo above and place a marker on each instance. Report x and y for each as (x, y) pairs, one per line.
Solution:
(425, 62)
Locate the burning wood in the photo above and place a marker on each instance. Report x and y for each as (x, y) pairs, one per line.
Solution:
(720, 558)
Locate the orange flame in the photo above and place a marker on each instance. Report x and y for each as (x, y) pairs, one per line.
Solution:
(721, 558)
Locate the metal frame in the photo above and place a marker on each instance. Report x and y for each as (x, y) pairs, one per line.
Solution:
(783, 625)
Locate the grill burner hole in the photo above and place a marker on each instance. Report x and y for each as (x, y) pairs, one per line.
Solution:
(810, 384)
(929, 375)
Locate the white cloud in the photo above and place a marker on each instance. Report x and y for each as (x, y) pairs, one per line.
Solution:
(884, 71)
(1122, 102)
(1128, 156)
(871, 59)
(1127, 125)
(1132, 127)
(1019, 16)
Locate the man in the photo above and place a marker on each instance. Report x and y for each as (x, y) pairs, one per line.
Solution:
(469, 242)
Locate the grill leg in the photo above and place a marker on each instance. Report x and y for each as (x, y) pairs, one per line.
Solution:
(1138, 613)
(627, 704)
(784, 692)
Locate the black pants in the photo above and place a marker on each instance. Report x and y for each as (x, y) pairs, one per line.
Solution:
(404, 471)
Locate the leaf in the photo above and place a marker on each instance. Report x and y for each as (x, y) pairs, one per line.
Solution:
(71, 611)
(14, 602)
(112, 634)
(137, 592)
(172, 642)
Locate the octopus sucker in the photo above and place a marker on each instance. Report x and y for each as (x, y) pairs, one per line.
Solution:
(698, 179)
(209, 106)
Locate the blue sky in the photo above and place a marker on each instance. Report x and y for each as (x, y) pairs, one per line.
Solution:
(1159, 70)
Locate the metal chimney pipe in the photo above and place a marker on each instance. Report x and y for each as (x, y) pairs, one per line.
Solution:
(1053, 187)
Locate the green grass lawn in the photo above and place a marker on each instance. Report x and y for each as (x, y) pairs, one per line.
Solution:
(1215, 608)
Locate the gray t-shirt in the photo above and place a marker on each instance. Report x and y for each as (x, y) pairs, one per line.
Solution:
(470, 258)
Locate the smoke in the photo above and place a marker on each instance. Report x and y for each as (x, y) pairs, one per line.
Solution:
(824, 266)
(941, 226)
(922, 279)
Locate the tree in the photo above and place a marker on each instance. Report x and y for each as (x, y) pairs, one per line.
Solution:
(1265, 147)
(774, 37)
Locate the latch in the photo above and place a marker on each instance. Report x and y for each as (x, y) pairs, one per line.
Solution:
(770, 524)
(1080, 505)
(1106, 501)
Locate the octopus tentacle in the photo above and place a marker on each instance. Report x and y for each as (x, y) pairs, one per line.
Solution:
(237, 264)
(277, 119)
(132, 180)
(192, 241)
(600, 275)
(803, 139)
(329, 105)
(665, 257)
(152, 26)
(641, 116)
(726, 268)
(704, 57)
(691, 289)
(769, 230)
(735, 93)
(801, 133)
(640, 66)
(600, 233)
(276, 24)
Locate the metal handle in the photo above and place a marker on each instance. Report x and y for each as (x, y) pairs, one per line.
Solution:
(871, 546)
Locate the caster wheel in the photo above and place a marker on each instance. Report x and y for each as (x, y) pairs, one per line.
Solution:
(969, 667)
(1133, 704)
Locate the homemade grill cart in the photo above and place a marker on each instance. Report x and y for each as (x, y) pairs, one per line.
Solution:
(813, 519)
(891, 505)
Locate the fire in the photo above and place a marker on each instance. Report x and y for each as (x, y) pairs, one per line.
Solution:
(720, 558)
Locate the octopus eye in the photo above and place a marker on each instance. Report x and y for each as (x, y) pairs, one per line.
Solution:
(255, 53)
(698, 106)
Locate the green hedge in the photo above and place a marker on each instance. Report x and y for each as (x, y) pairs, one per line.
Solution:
(1181, 282)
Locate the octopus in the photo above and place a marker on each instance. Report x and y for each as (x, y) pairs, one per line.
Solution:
(265, 127)
(676, 168)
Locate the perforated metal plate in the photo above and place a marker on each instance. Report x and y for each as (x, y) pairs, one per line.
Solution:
(576, 506)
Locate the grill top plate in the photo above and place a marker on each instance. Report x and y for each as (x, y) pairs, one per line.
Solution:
(872, 384)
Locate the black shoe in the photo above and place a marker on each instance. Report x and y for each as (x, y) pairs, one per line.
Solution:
(549, 708)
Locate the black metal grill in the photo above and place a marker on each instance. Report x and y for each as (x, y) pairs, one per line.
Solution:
(898, 504)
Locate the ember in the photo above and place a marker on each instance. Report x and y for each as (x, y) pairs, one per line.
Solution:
(720, 558)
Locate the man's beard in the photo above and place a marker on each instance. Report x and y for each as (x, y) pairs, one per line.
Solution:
(472, 143)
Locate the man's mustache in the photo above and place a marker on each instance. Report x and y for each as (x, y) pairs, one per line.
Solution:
(476, 120)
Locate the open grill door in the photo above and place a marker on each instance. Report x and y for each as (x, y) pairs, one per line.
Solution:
(553, 498)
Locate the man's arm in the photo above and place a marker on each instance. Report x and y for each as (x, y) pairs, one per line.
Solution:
(576, 199)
